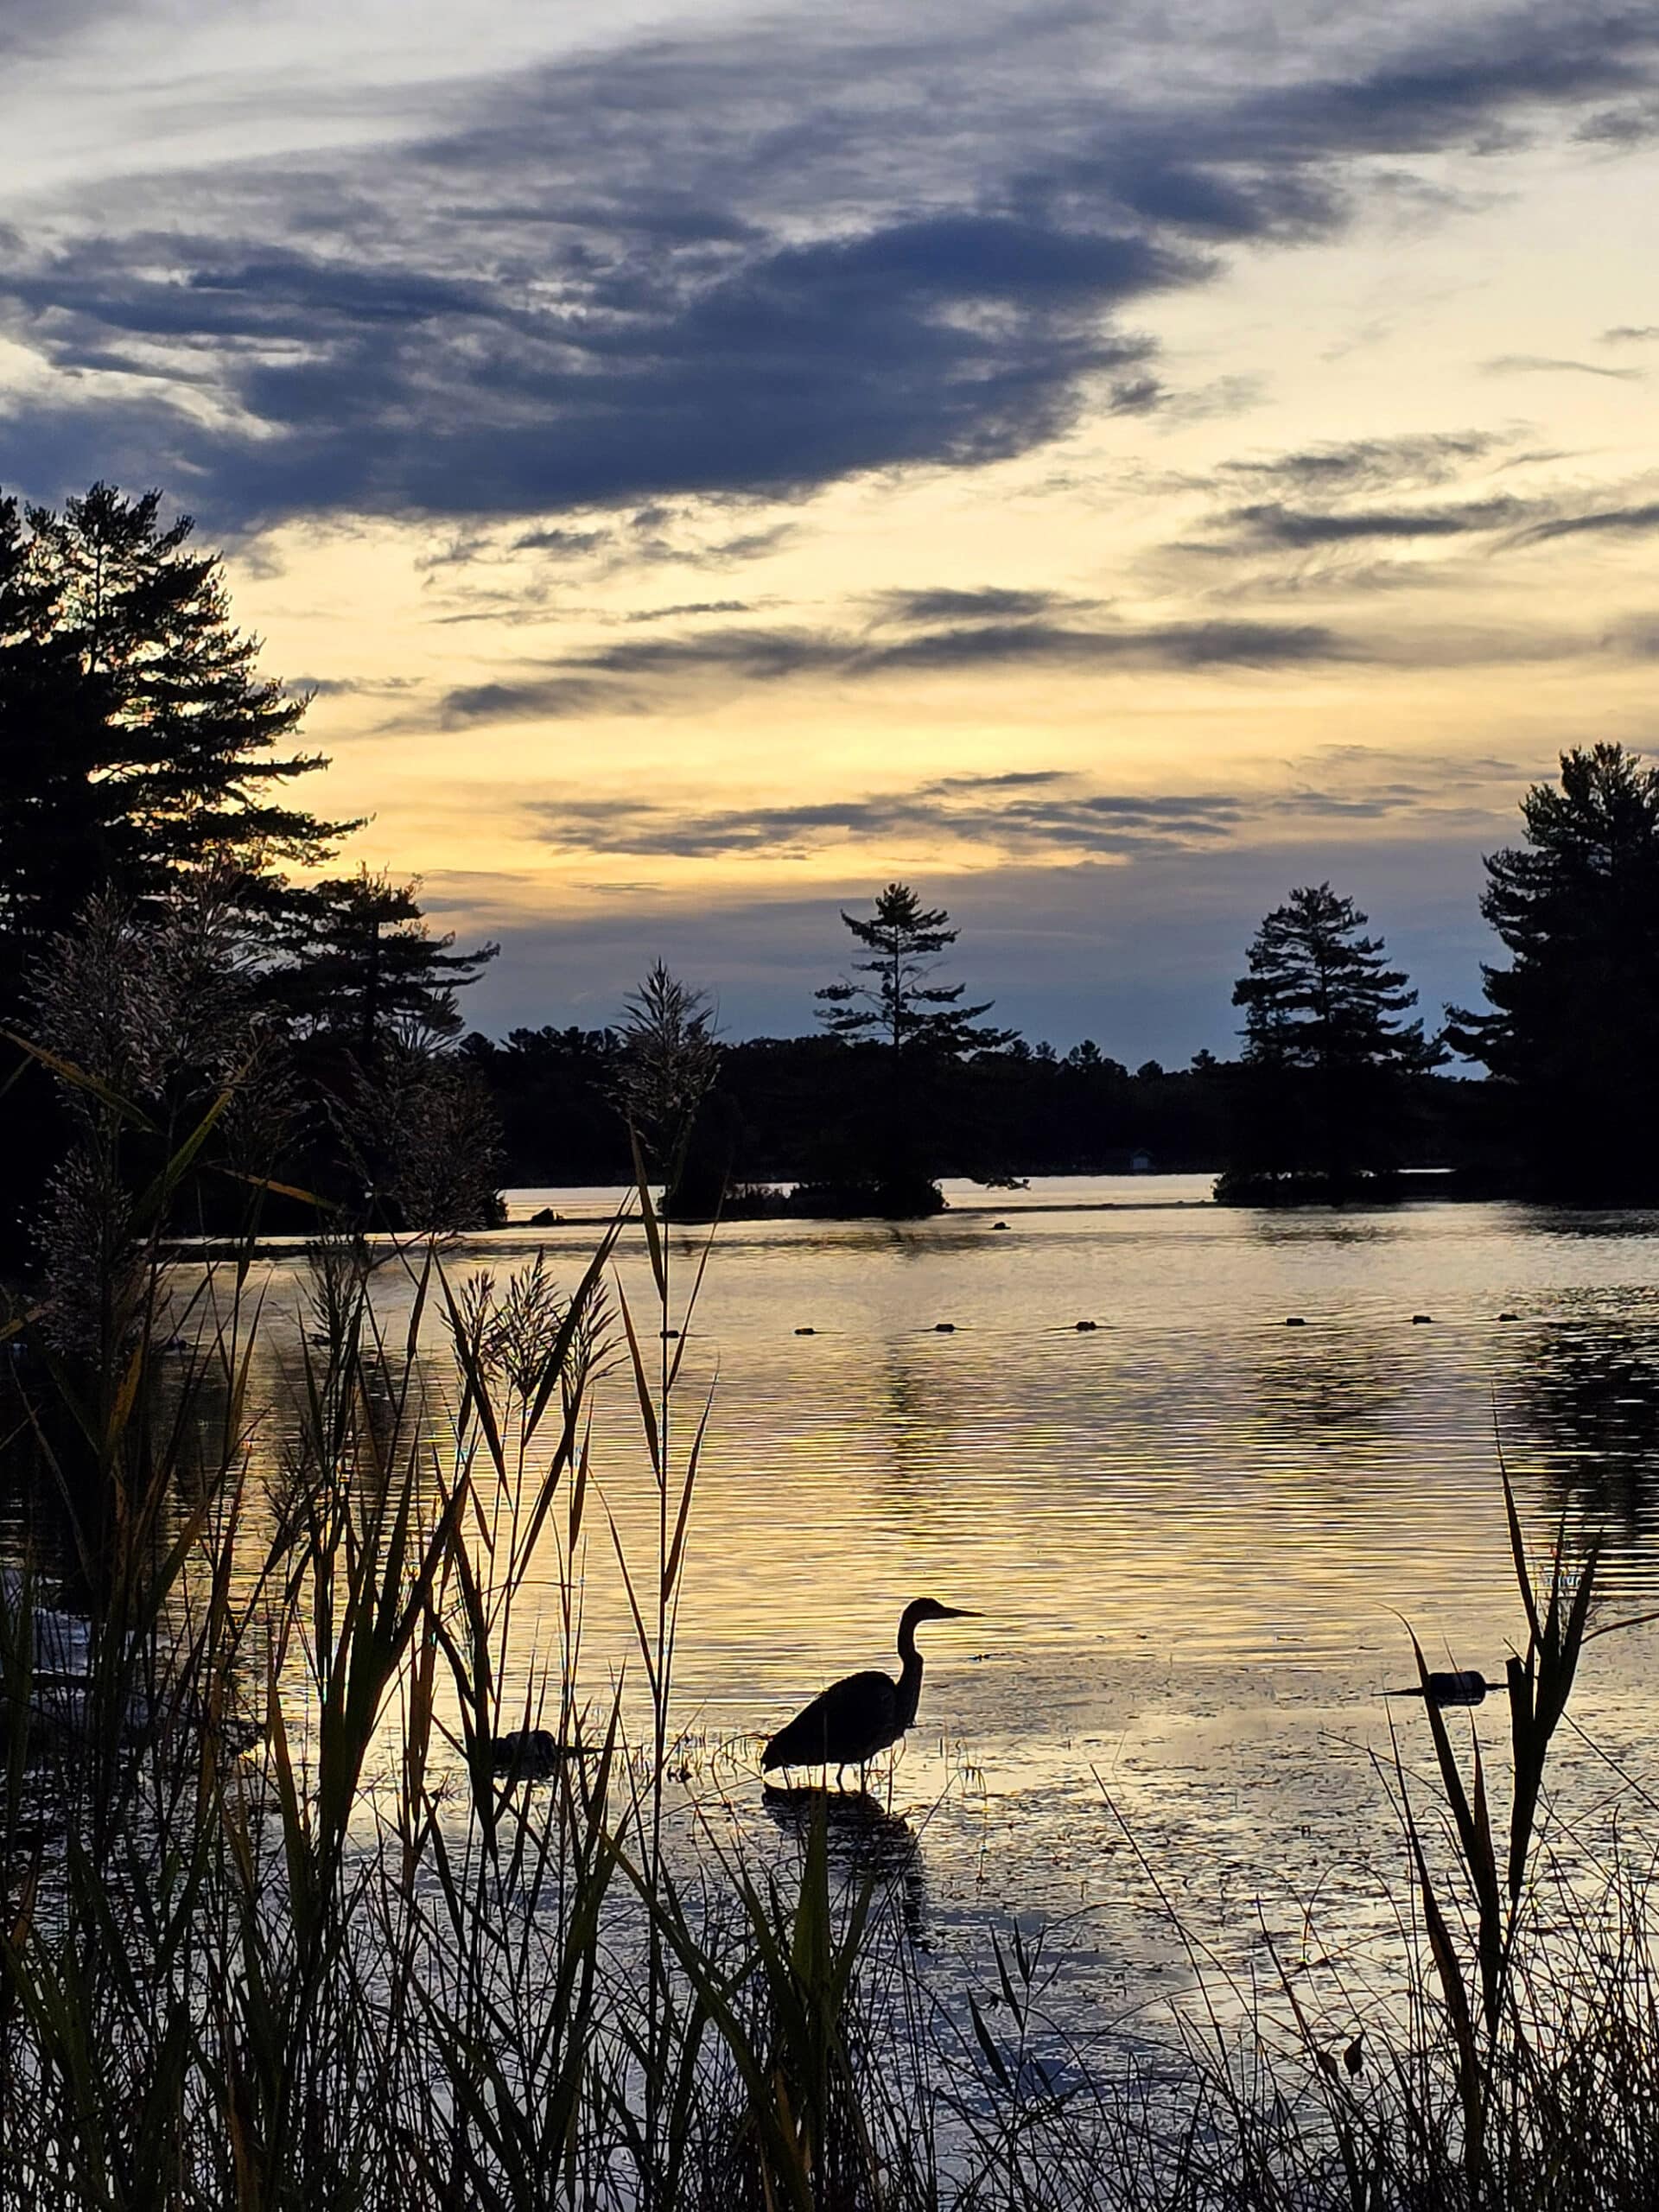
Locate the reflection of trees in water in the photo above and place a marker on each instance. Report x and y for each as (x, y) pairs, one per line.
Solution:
(1324, 1382)
(1324, 1227)
(1615, 1224)
(243, 1413)
(1592, 1400)
(919, 1418)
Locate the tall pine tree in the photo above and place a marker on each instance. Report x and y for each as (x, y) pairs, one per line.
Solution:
(901, 1006)
(892, 999)
(1325, 1047)
(136, 734)
(362, 962)
(1570, 1029)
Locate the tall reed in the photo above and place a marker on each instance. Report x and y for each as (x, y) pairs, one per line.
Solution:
(328, 1880)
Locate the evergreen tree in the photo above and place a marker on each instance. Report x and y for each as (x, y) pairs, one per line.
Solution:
(900, 1005)
(137, 735)
(1571, 1027)
(363, 963)
(923, 1029)
(1325, 1045)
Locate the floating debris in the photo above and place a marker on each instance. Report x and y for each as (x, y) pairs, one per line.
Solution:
(1464, 1685)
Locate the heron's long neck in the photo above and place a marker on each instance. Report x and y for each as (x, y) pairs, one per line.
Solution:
(909, 1678)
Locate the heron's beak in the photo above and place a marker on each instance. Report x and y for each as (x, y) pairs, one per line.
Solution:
(958, 1613)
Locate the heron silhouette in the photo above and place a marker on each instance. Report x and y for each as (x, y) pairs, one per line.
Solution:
(847, 1724)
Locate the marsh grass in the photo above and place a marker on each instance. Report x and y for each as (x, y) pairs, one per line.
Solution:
(298, 1908)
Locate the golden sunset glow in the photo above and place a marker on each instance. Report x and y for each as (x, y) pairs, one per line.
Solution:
(1193, 455)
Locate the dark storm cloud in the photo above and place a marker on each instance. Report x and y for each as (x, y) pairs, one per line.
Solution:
(749, 262)
(1634, 125)
(36, 26)
(954, 340)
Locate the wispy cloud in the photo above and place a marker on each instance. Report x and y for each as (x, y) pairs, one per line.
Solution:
(1508, 364)
(1049, 815)
(613, 678)
(1357, 465)
(1274, 522)
(1038, 811)
(1621, 522)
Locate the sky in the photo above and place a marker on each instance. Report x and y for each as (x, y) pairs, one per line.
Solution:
(1102, 465)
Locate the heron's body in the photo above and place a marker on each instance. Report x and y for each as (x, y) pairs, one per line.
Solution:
(847, 1724)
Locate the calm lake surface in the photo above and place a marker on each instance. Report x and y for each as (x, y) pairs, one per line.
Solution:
(1192, 1532)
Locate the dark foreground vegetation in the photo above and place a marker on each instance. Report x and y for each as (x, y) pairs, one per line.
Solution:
(299, 1910)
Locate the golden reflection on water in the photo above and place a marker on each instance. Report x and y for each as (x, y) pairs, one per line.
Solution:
(1192, 1531)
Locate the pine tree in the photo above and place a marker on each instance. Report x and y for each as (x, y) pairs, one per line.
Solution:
(900, 1005)
(363, 962)
(923, 1028)
(1325, 1045)
(137, 736)
(1571, 1029)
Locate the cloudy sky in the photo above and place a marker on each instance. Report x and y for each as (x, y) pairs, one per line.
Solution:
(1105, 464)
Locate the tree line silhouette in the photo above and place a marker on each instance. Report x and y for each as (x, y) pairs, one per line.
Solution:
(172, 933)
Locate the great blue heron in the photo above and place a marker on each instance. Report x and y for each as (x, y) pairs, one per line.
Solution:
(847, 1724)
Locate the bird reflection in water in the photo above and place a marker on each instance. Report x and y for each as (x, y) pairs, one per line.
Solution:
(865, 1838)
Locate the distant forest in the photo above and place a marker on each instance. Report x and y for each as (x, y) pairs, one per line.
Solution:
(785, 1108)
(217, 1027)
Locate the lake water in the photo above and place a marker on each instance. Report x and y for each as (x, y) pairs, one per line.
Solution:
(1193, 1532)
